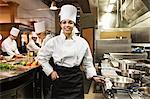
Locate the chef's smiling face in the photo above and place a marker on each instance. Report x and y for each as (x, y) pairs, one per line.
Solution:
(67, 26)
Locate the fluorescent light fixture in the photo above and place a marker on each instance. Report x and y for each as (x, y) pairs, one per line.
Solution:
(112, 1)
(107, 20)
(1, 5)
(53, 6)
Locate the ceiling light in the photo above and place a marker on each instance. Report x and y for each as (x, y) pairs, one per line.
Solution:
(53, 6)
(112, 1)
(110, 8)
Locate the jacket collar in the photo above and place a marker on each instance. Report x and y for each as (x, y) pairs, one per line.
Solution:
(64, 37)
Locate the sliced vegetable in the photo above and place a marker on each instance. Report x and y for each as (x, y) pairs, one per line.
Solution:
(4, 66)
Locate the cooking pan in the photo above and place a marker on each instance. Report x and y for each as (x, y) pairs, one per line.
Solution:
(122, 82)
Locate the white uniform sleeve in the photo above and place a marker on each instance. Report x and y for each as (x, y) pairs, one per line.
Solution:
(16, 49)
(7, 48)
(88, 63)
(29, 46)
(32, 46)
(44, 55)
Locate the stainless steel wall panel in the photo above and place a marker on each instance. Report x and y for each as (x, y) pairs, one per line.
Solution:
(111, 45)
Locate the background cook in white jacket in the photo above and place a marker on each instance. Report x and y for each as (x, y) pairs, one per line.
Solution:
(32, 46)
(9, 45)
(1, 56)
(40, 30)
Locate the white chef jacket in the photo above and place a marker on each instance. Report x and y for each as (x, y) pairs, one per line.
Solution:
(10, 46)
(31, 46)
(67, 53)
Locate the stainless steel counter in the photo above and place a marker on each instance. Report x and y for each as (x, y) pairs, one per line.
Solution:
(129, 55)
(122, 94)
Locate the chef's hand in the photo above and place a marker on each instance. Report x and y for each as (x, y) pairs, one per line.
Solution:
(1, 57)
(99, 79)
(19, 55)
(54, 75)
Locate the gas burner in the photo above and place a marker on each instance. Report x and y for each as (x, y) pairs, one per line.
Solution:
(127, 93)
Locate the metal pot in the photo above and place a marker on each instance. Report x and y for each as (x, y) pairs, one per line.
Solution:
(123, 66)
(122, 82)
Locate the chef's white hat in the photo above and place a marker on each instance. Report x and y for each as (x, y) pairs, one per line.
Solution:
(14, 31)
(34, 34)
(0, 36)
(39, 27)
(68, 12)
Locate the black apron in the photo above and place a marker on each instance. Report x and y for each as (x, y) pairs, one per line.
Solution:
(70, 83)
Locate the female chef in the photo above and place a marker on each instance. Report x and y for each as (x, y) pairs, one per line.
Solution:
(68, 52)
(9, 45)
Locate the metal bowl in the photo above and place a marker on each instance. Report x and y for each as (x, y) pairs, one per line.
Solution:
(122, 82)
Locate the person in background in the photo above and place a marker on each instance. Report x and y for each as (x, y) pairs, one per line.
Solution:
(40, 30)
(9, 45)
(69, 52)
(0, 40)
(1, 56)
(32, 45)
(76, 31)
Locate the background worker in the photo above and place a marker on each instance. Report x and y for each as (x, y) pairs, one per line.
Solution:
(33, 45)
(40, 30)
(9, 45)
(1, 56)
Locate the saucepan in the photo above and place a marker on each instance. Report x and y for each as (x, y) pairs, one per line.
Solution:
(122, 82)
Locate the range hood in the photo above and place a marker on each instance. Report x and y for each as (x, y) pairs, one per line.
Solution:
(133, 9)
(147, 3)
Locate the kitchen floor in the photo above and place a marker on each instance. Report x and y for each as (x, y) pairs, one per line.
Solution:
(92, 95)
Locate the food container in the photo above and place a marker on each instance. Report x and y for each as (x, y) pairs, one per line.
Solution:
(30, 54)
